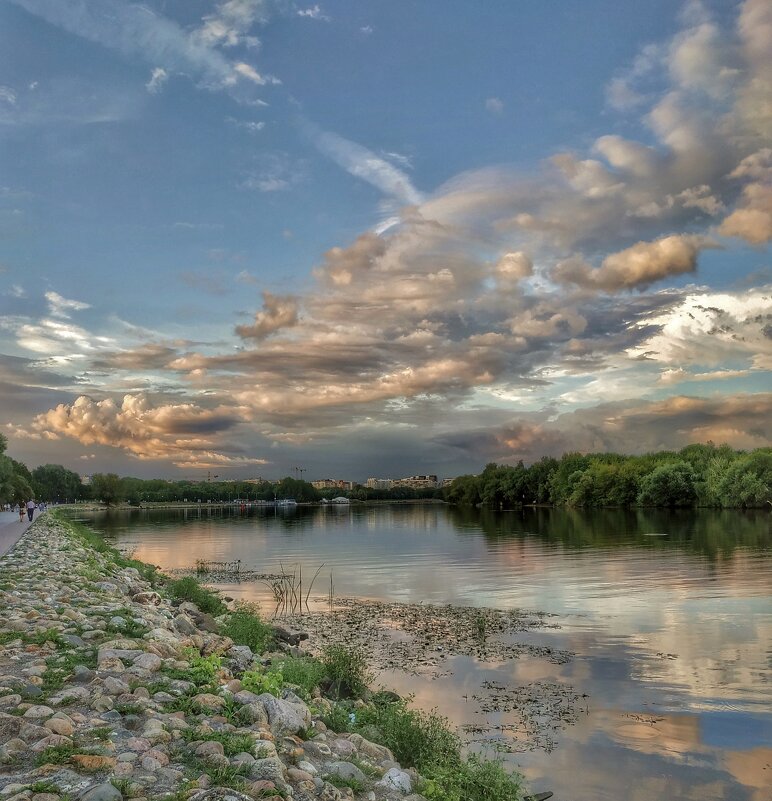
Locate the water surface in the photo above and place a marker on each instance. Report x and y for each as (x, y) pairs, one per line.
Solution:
(669, 615)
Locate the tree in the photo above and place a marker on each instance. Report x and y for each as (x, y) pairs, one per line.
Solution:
(106, 487)
(747, 481)
(669, 485)
(53, 482)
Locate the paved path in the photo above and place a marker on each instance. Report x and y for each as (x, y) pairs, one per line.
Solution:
(11, 529)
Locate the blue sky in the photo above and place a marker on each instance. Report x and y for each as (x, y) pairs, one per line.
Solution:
(381, 238)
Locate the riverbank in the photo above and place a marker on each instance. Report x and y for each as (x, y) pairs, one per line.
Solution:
(112, 688)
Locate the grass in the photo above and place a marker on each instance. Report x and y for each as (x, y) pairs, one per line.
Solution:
(304, 672)
(188, 589)
(425, 741)
(245, 627)
(202, 670)
(339, 781)
(347, 671)
(232, 743)
(262, 681)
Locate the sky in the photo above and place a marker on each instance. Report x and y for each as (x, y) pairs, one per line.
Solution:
(381, 239)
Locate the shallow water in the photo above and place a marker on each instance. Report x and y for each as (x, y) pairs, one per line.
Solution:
(669, 616)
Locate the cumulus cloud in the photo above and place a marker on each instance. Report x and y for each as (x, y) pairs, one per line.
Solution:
(279, 311)
(183, 432)
(499, 290)
(743, 421)
(495, 105)
(639, 265)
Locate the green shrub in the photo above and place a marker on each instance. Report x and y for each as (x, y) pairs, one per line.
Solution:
(245, 627)
(416, 738)
(305, 672)
(188, 589)
(260, 681)
(202, 669)
(347, 671)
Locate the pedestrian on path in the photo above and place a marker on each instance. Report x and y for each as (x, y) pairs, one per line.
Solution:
(21, 511)
(30, 509)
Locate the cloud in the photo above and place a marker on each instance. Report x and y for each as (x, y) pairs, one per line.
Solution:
(753, 220)
(363, 163)
(279, 311)
(494, 105)
(743, 421)
(276, 172)
(313, 12)
(60, 306)
(636, 266)
(231, 22)
(135, 30)
(7, 95)
(711, 329)
(158, 78)
(185, 433)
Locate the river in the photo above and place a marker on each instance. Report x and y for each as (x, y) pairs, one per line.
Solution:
(657, 647)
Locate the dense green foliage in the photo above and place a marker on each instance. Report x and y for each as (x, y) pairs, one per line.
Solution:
(188, 589)
(425, 741)
(245, 627)
(702, 475)
(347, 671)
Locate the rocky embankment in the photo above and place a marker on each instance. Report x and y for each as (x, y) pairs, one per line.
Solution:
(98, 698)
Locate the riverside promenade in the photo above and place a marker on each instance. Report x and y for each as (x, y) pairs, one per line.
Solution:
(11, 529)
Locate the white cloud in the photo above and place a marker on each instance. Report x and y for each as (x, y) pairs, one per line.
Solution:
(158, 78)
(363, 163)
(7, 95)
(494, 105)
(60, 306)
(313, 12)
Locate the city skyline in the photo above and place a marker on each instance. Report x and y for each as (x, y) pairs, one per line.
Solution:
(246, 235)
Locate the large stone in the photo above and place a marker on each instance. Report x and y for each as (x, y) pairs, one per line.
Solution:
(60, 726)
(396, 779)
(285, 717)
(102, 792)
(271, 768)
(70, 694)
(209, 701)
(185, 625)
(39, 711)
(210, 747)
(346, 771)
(242, 655)
(149, 662)
(378, 753)
(114, 686)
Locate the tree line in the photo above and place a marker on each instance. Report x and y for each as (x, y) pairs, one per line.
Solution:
(698, 475)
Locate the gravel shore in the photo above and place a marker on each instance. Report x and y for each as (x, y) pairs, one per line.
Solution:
(93, 705)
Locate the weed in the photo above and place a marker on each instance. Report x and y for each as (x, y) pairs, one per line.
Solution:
(304, 672)
(260, 681)
(56, 755)
(245, 627)
(188, 589)
(201, 670)
(232, 743)
(338, 781)
(347, 671)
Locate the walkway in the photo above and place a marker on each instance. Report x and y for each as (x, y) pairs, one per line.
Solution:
(11, 529)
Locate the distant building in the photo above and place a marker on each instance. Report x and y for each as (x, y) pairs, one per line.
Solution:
(446, 482)
(417, 482)
(85, 480)
(332, 483)
(379, 483)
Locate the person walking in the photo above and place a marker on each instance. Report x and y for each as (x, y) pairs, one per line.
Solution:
(21, 511)
(30, 509)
